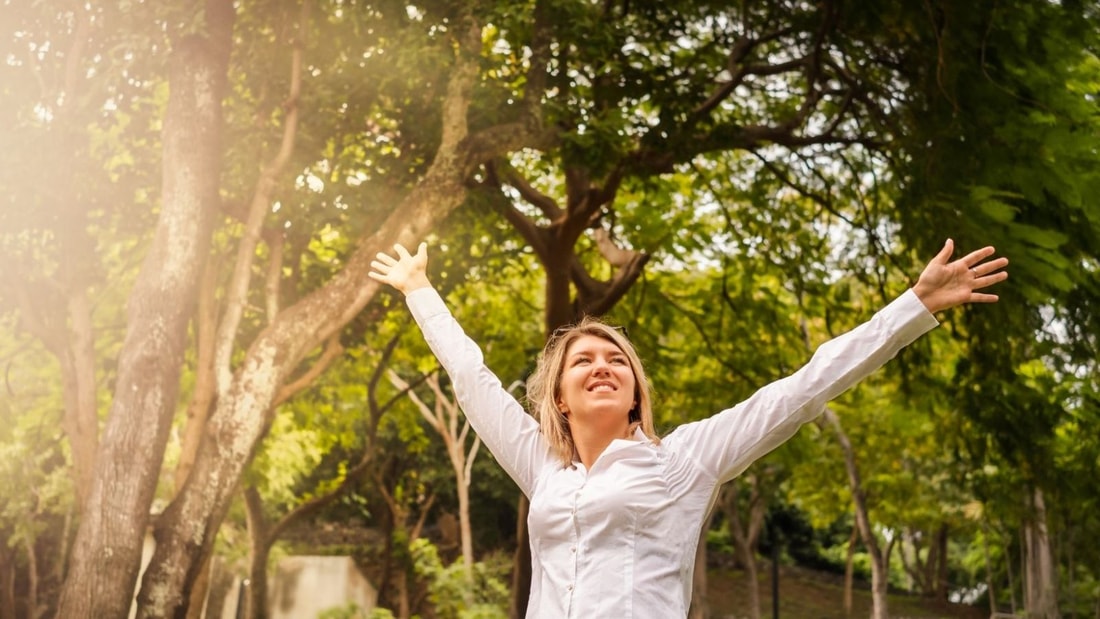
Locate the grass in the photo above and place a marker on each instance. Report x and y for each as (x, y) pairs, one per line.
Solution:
(805, 594)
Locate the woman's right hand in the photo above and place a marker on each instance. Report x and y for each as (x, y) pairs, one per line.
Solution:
(406, 272)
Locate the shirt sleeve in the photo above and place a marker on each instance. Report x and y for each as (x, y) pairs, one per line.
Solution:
(725, 444)
(512, 435)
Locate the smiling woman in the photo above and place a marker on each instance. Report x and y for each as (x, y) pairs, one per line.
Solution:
(616, 512)
(589, 388)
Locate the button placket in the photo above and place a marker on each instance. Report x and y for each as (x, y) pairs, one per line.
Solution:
(577, 540)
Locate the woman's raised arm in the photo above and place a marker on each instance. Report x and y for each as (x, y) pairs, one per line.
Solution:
(730, 441)
(504, 426)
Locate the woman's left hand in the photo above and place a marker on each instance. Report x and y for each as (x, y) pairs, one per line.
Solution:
(943, 285)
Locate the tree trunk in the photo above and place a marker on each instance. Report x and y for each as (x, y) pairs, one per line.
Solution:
(700, 604)
(404, 610)
(988, 568)
(399, 516)
(259, 548)
(879, 588)
(849, 570)
(186, 530)
(81, 422)
(196, 605)
(1069, 543)
(744, 546)
(1040, 573)
(521, 563)
(941, 584)
(7, 582)
(444, 419)
(464, 528)
(1011, 583)
(256, 601)
(879, 571)
(60, 313)
(198, 409)
(32, 579)
(107, 550)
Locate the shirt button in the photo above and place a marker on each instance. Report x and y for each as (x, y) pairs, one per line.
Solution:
(573, 549)
(569, 588)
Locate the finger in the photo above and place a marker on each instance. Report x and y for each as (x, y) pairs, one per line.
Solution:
(378, 276)
(981, 297)
(422, 251)
(989, 280)
(945, 253)
(384, 269)
(977, 256)
(385, 258)
(402, 253)
(986, 268)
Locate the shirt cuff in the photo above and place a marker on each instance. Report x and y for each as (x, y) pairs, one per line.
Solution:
(909, 316)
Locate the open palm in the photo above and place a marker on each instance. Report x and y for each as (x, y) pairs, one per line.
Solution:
(405, 272)
(943, 285)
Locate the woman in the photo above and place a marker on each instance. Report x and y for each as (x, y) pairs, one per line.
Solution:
(616, 512)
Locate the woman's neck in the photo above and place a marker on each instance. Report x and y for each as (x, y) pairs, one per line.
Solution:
(591, 442)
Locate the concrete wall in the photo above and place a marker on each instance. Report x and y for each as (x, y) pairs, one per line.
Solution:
(304, 586)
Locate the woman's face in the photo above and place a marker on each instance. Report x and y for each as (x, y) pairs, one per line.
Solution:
(597, 382)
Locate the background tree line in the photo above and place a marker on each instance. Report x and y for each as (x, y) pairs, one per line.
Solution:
(192, 192)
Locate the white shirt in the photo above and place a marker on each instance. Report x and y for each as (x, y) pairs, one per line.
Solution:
(619, 540)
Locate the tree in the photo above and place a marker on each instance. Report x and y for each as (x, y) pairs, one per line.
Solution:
(1019, 196)
(265, 531)
(443, 417)
(103, 567)
(35, 486)
(59, 130)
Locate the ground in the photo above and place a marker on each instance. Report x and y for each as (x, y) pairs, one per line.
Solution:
(804, 594)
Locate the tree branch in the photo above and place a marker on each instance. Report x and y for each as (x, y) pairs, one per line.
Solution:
(615, 255)
(543, 202)
(444, 409)
(353, 474)
(463, 76)
(204, 326)
(534, 235)
(237, 290)
(275, 244)
(434, 420)
(467, 474)
(598, 297)
(333, 350)
(541, 38)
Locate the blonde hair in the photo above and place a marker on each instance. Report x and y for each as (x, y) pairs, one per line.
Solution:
(544, 386)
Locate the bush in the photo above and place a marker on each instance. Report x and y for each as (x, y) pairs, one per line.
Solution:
(452, 595)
